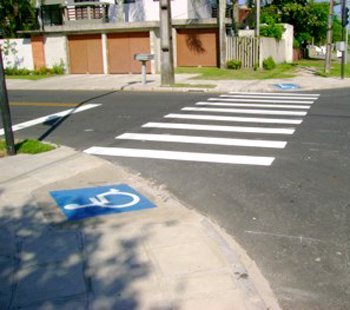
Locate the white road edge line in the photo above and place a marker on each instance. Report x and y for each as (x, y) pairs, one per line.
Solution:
(203, 140)
(260, 100)
(279, 94)
(51, 117)
(246, 111)
(235, 119)
(281, 131)
(182, 156)
(252, 105)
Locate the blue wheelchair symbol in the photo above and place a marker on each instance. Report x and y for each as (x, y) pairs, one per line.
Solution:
(89, 202)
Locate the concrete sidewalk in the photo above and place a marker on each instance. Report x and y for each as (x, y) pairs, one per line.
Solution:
(168, 257)
(305, 80)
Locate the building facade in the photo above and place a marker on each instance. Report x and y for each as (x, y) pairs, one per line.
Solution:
(102, 37)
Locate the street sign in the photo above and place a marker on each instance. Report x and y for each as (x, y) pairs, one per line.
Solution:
(82, 203)
(143, 57)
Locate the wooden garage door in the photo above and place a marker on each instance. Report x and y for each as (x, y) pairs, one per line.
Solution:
(85, 54)
(121, 50)
(197, 47)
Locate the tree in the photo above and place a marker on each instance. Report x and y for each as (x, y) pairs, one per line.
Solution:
(17, 15)
(308, 17)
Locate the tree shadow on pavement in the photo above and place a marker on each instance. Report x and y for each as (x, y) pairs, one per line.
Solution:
(71, 265)
(56, 122)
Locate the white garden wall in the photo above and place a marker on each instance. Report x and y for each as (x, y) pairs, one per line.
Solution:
(19, 53)
(55, 50)
(280, 50)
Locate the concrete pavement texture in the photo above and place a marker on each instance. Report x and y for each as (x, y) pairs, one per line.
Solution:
(305, 81)
(168, 257)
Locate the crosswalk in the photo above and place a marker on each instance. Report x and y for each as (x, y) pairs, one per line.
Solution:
(246, 128)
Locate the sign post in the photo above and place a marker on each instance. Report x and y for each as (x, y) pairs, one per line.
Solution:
(345, 22)
(143, 58)
(5, 112)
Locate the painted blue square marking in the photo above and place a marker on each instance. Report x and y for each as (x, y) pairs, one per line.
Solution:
(77, 204)
(286, 86)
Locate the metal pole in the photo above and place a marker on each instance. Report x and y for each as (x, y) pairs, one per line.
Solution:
(166, 44)
(346, 44)
(5, 112)
(343, 5)
(143, 68)
(327, 63)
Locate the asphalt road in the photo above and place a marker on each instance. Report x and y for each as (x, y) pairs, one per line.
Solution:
(292, 217)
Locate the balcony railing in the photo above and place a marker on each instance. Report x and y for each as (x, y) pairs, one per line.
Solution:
(84, 11)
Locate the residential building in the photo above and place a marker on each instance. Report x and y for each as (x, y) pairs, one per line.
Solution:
(103, 36)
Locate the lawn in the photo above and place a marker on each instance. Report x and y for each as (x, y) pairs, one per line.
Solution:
(281, 71)
(33, 77)
(211, 73)
(318, 65)
(27, 146)
(187, 85)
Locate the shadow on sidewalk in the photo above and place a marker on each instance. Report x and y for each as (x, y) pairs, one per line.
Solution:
(66, 265)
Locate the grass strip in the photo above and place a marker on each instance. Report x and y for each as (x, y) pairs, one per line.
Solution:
(27, 146)
(33, 77)
(193, 85)
(212, 73)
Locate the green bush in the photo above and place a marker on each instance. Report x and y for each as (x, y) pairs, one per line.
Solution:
(272, 31)
(269, 64)
(296, 44)
(55, 70)
(15, 71)
(42, 71)
(234, 64)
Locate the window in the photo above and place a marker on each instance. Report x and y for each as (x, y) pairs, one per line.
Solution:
(77, 1)
(51, 15)
(126, 1)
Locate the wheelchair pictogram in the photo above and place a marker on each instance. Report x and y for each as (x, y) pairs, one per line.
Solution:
(81, 203)
(101, 200)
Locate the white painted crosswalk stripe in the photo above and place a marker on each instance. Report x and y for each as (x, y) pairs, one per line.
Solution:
(277, 94)
(268, 96)
(182, 156)
(203, 140)
(260, 130)
(247, 111)
(52, 117)
(250, 105)
(291, 107)
(226, 98)
(235, 119)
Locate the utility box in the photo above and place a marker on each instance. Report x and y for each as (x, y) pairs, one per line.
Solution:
(143, 58)
(340, 46)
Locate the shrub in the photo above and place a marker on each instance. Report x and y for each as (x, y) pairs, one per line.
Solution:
(234, 64)
(56, 69)
(16, 71)
(42, 71)
(272, 31)
(269, 64)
